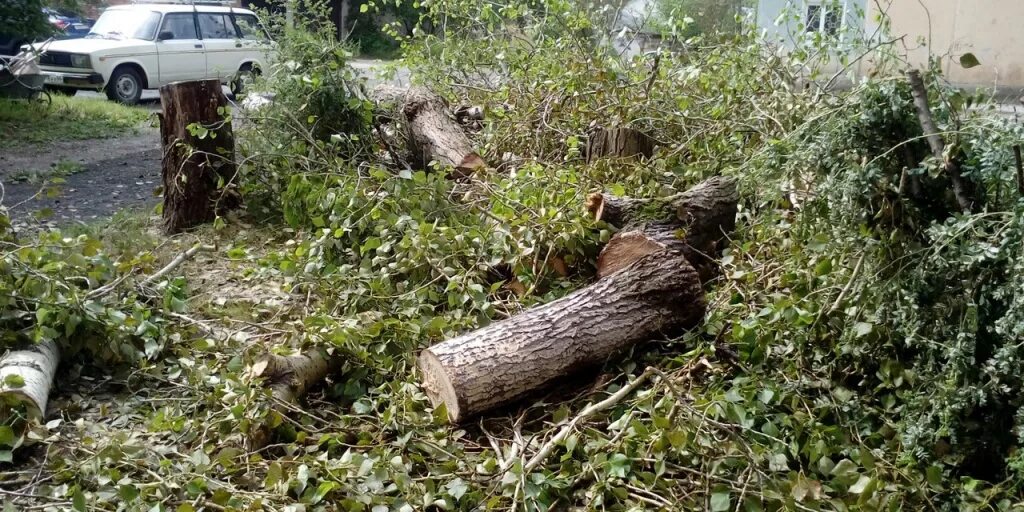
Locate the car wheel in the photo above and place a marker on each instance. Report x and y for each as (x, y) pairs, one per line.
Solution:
(243, 79)
(61, 90)
(125, 86)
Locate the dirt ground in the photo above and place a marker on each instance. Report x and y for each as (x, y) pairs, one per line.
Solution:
(110, 175)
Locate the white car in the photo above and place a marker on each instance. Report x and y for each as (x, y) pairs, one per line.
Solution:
(144, 46)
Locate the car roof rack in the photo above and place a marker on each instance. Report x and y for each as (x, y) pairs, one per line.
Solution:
(222, 3)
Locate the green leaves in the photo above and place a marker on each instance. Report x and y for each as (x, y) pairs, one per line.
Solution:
(968, 61)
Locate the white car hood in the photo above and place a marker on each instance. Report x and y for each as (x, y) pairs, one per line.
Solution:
(95, 45)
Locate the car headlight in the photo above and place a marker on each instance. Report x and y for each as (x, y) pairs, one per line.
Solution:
(80, 61)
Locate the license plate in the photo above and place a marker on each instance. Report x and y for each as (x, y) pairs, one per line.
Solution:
(53, 79)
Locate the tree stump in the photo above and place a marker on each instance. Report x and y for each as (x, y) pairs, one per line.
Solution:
(619, 143)
(658, 293)
(198, 154)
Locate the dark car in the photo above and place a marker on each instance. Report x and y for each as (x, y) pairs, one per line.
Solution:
(67, 25)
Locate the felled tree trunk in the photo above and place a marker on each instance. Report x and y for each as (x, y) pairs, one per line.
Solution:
(619, 143)
(432, 132)
(696, 223)
(289, 378)
(504, 361)
(198, 169)
(26, 377)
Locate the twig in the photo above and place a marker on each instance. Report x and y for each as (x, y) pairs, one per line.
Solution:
(176, 262)
(1020, 169)
(589, 411)
(849, 284)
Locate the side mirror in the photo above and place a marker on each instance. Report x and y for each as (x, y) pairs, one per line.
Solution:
(165, 35)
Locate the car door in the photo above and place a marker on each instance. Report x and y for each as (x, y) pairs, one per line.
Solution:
(254, 40)
(222, 45)
(180, 52)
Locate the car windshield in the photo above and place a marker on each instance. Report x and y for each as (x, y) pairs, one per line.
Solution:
(124, 23)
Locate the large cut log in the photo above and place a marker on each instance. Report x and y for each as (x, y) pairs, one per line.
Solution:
(696, 223)
(198, 154)
(432, 132)
(658, 293)
(25, 379)
(619, 143)
(289, 378)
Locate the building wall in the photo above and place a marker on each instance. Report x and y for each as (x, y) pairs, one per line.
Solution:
(993, 30)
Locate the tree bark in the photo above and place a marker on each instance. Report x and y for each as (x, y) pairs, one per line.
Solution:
(696, 223)
(963, 190)
(289, 378)
(658, 293)
(432, 133)
(619, 143)
(198, 170)
(36, 367)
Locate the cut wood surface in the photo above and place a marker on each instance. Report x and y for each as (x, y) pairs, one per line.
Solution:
(193, 166)
(289, 379)
(696, 223)
(619, 143)
(33, 368)
(658, 293)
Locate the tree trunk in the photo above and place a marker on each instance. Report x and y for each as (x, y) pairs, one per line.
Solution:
(432, 133)
(198, 170)
(696, 223)
(620, 143)
(504, 361)
(289, 378)
(963, 190)
(36, 367)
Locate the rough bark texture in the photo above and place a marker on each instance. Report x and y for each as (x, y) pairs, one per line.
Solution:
(289, 378)
(507, 360)
(963, 190)
(193, 166)
(696, 223)
(432, 132)
(619, 143)
(36, 366)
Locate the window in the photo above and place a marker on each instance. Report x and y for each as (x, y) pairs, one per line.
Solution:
(824, 18)
(181, 26)
(249, 27)
(216, 26)
(127, 23)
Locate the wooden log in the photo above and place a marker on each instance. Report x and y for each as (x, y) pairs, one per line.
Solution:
(658, 293)
(198, 166)
(696, 223)
(26, 377)
(619, 143)
(289, 379)
(432, 133)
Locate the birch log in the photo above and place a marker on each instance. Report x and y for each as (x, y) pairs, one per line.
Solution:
(658, 293)
(289, 378)
(34, 369)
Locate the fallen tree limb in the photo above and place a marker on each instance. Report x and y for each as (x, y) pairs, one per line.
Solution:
(289, 379)
(176, 262)
(507, 360)
(432, 133)
(962, 189)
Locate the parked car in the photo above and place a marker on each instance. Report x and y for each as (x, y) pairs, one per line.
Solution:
(67, 25)
(143, 46)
